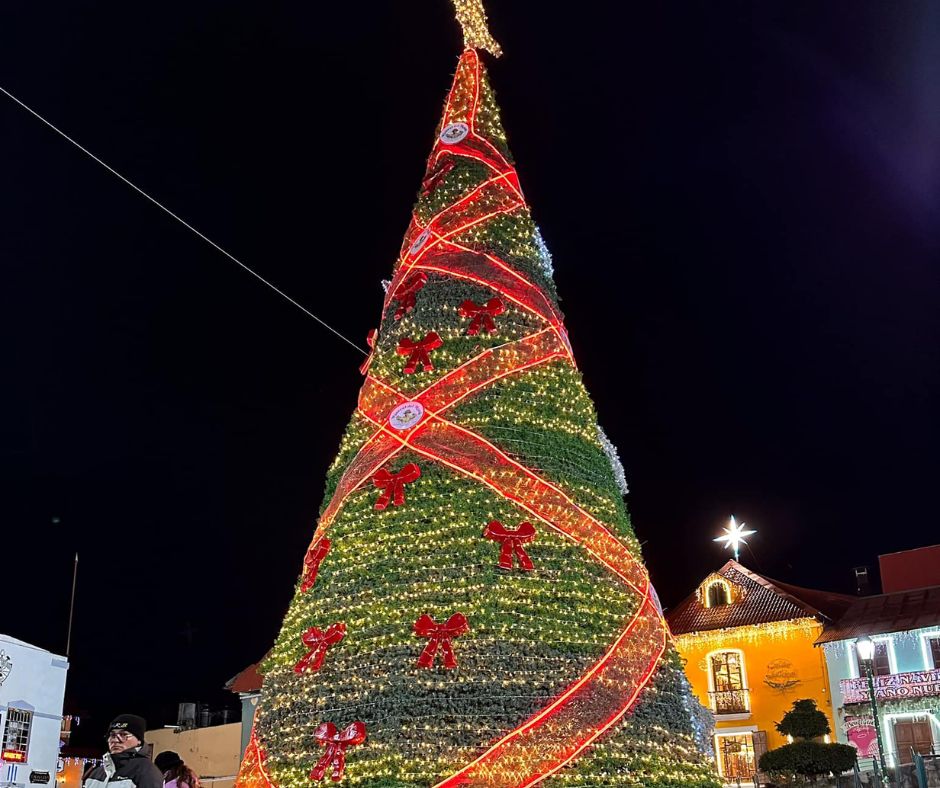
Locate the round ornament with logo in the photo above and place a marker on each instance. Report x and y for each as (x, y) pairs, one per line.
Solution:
(406, 415)
(453, 133)
(419, 242)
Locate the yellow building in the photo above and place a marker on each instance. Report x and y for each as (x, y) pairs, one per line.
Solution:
(748, 645)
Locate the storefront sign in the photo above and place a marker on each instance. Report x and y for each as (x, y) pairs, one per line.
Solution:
(919, 684)
(40, 778)
(862, 736)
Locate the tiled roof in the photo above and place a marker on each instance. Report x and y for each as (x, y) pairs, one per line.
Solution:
(879, 615)
(760, 600)
(249, 680)
(829, 603)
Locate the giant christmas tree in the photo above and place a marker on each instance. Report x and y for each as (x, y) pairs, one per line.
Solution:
(473, 609)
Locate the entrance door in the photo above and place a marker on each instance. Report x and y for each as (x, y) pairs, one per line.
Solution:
(736, 756)
(912, 733)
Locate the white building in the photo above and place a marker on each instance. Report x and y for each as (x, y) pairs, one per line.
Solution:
(905, 630)
(32, 691)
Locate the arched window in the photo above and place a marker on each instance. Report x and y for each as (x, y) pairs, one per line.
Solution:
(718, 595)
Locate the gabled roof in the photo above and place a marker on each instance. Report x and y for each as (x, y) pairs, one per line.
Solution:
(885, 613)
(249, 680)
(759, 600)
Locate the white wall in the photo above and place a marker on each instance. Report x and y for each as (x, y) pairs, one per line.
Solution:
(36, 683)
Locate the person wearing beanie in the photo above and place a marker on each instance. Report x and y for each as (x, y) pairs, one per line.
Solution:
(126, 764)
(176, 774)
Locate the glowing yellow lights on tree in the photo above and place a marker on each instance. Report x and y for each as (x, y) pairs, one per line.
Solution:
(472, 19)
(734, 536)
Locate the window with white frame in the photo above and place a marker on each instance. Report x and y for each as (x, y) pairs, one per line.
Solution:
(930, 642)
(882, 661)
(16, 735)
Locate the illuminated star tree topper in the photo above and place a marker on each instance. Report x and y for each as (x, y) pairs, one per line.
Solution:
(734, 535)
(476, 35)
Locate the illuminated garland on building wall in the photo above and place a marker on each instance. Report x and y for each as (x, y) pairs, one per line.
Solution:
(473, 609)
(752, 633)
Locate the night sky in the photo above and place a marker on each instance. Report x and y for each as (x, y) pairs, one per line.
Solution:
(743, 204)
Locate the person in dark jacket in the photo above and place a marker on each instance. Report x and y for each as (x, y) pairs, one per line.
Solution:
(126, 764)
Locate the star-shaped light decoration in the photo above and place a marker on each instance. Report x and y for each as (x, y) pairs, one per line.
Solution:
(734, 536)
(472, 19)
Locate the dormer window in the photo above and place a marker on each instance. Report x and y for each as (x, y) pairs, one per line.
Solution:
(717, 595)
(718, 591)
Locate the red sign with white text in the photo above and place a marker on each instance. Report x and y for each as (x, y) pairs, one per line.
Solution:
(919, 684)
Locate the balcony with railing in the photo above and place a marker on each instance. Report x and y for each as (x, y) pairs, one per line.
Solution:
(735, 701)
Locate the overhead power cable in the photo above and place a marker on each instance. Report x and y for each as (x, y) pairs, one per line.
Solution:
(183, 222)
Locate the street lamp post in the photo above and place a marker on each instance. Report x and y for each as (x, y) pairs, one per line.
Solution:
(865, 648)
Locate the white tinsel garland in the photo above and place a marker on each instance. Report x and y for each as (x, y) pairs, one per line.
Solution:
(545, 257)
(611, 451)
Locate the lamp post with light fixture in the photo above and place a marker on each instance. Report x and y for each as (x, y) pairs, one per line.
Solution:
(865, 648)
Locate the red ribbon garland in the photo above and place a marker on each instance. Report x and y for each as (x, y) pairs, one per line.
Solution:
(407, 293)
(318, 641)
(370, 341)
(440, 636)
(418, 351)
(393, 484)
(482, 315)
(336, 744)
(512, 541)
(312, 561)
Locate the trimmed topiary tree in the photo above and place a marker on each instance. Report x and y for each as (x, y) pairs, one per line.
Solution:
(802, 759)
(793, 763)
(804, 721)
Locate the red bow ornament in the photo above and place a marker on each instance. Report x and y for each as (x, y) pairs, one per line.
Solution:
(418, 351)
(435, 177)
(370, 341)
(407, 293)
(318, 641)
(440, 636)
(512, 542)
(312, 561)
(336, 743)
(482, 316)
(393, 484)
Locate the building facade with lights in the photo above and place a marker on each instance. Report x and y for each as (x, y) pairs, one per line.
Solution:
(748, 643)
(32, 691)
(904, 624)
